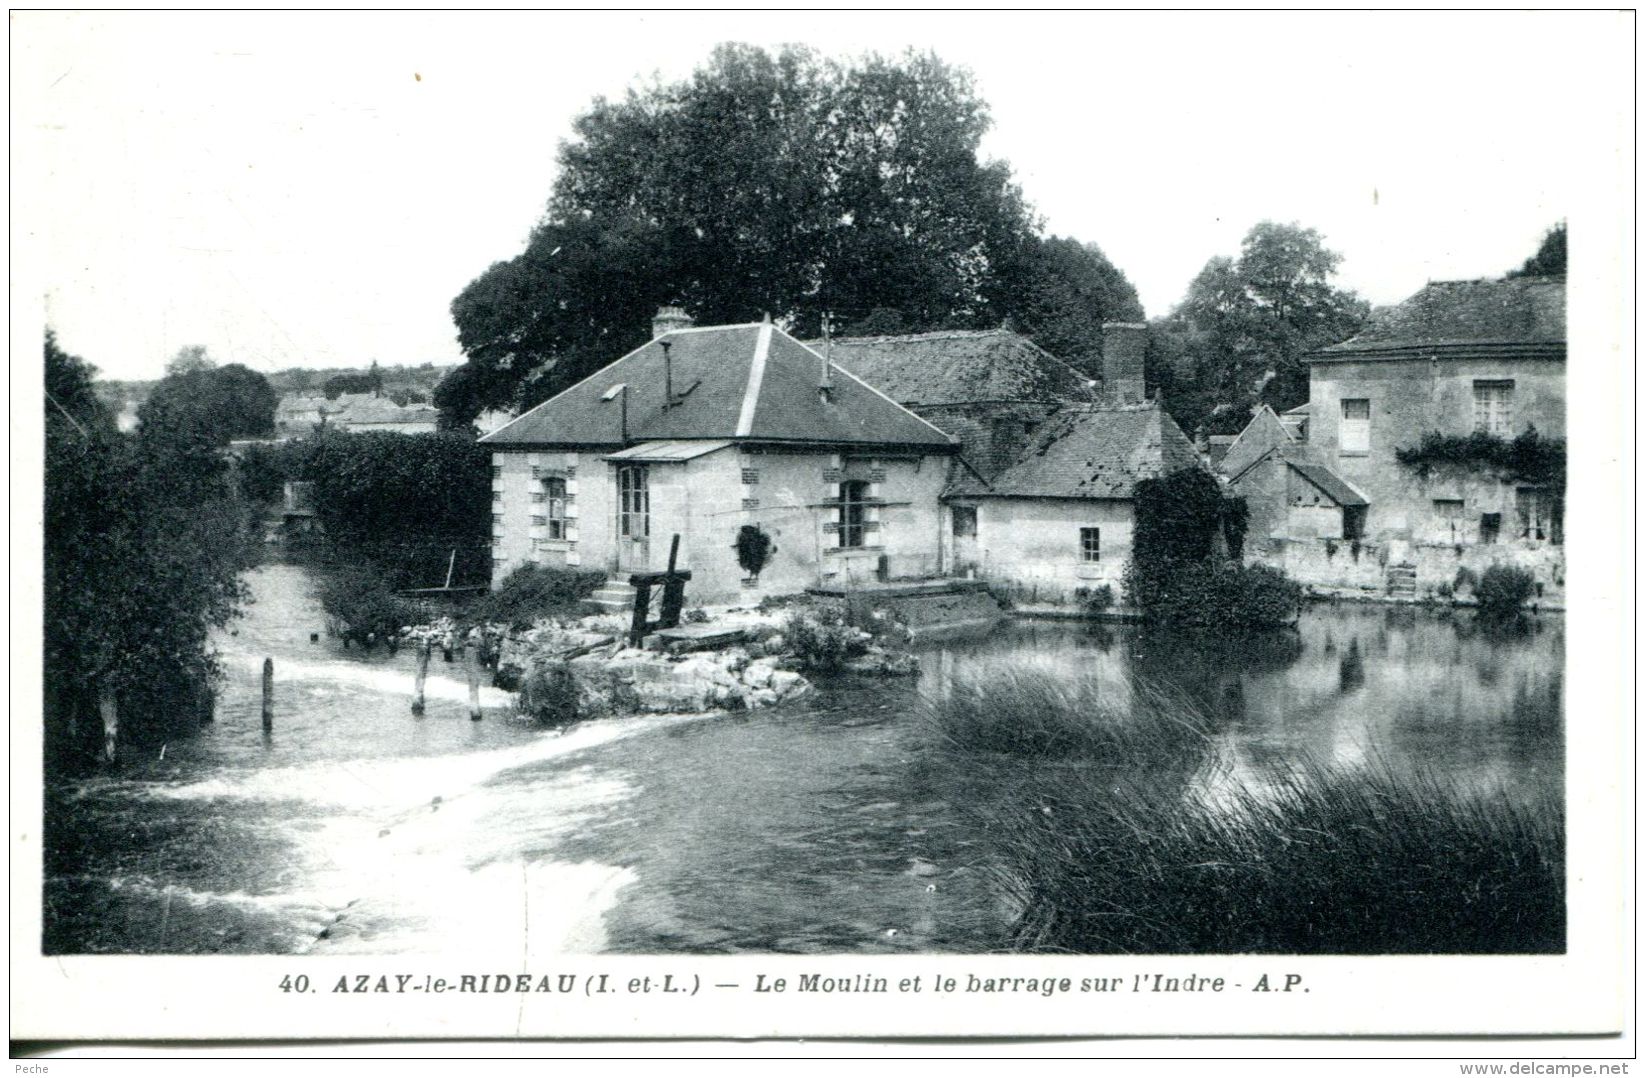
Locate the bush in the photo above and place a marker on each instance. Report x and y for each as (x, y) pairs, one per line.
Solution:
(548, 693)
(532, 592)
(359, 600)
(1207, 594)
(1503, 590)
(822, 638)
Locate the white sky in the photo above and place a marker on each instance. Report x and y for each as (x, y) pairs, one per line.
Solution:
(284, 190)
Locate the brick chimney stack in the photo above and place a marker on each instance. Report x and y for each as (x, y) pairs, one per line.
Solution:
(669, 319)
(1123, 344)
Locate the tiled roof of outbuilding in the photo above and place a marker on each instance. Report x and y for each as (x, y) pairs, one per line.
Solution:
(1521, 313)
(1091, 451)
(750, 382)
(960, 367)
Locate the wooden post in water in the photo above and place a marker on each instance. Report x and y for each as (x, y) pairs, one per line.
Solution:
(268, 696)
(423, 653)
(109, 711)
(472, 654)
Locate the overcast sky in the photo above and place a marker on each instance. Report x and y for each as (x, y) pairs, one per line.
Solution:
(314, 189)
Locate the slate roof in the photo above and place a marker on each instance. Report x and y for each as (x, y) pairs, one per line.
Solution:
(748, 382)
(960, 367)
(1328, 481)
(1523, 315)
(1090, 451)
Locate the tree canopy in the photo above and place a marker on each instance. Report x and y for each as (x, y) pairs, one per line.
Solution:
(785, 184)
(1245, 324)
(1549, 260)
(142, 551)
(218, 404)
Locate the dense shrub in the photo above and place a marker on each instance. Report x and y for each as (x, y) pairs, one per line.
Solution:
(822, 637)
(360, 600)
(1209, 594)
(1503, 590)
(416, 505)
(530, 593)
(548, 693)
(1176, 572)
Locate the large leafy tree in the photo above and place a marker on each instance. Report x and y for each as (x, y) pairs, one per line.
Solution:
(1246, 325)
(1060, 292)
(767, 183)
(216, 403)
(142, 551)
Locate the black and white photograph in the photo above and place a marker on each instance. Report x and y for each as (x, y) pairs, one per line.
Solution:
(722, 524)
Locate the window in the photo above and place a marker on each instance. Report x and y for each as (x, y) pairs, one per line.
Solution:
(1539, 515)
(634, 502)
(965, 521)
(1356, 425)
(1494, 407)
(853, 512)
(1353, 522)
(1090, 544)
(555, 489)
(1448, 513)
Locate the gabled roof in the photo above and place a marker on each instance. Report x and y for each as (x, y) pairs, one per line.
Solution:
(747, 382)
(1517, 316)
(1334, 486)
(1265, 431)
(959, 367)
(1091, 451)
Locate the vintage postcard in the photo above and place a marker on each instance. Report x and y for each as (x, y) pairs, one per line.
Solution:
(692, 525)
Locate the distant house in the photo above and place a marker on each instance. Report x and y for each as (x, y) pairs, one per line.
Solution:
(362, 413)
(1042, 498)
(727, 436)
(1457, 358)
(298, 416)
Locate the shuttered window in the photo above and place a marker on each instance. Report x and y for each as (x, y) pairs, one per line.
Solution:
(1356, 425)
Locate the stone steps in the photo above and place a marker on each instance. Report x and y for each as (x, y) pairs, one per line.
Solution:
(1402, 581)
(614, 596)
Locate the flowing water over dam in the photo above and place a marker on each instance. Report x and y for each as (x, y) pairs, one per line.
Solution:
(816, 827)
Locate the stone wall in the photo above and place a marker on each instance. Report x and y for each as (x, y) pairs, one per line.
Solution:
(1409, 397)
(1031, 547)
(1347, 569)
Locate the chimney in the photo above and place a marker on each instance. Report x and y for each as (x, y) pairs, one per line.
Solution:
(825, 377)
(1123, 344)
(669, 319)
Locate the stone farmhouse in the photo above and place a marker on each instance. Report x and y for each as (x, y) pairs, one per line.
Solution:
(1329, 499)
(844, 463)
(1041, 500)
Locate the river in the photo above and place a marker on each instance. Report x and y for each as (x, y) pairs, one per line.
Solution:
(816, 827)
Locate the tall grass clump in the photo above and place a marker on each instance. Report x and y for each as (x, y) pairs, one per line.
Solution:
(1318, 861)
(1027, 710)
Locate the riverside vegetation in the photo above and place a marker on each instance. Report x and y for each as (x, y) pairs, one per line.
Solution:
(1127, 832)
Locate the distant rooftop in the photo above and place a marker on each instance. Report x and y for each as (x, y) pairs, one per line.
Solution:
(959, 367)
(1091, 451)
(1523, 314)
